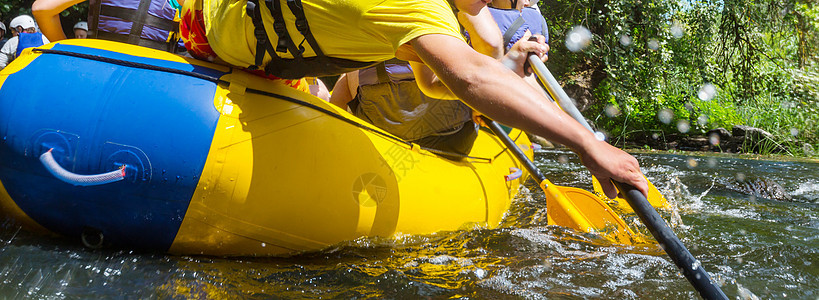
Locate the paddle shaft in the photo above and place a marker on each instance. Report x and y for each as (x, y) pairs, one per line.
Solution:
(672, 245)
(507, 141)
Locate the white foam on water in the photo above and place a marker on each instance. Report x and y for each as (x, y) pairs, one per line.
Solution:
(502, 281)
(745, 294)
(440, 259)
(809, 190)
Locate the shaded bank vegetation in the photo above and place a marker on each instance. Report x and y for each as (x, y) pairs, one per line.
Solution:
(657, 69)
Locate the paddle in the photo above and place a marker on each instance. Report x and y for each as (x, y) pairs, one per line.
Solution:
(655, 198)
(672, 245)
(572, 207)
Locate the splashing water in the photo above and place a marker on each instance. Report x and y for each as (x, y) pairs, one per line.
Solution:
(707, 92)
(755, 248)
(665, 115)
(578, 39)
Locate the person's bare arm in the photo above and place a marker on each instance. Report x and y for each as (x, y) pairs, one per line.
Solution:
(343, 91)
(486, 39)
(484, 32)
(47, 14)
(494, 90)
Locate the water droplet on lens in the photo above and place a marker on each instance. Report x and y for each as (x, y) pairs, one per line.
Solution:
(702, 120)
(711, 162)
(794, 131)
(683, 126)
(509, 60)
(752, 198)
(739, 259)
(600, 136)
(563, 159)
(740, 176)
(713, 139)
(653, 44)
(807, 148)
(665, 115)
(625, 40)
(655, 135)
(676, 30)
(578, 38)
(692, 163)
(264, 245)
(787, 105)
(707, 92)
(612, 111)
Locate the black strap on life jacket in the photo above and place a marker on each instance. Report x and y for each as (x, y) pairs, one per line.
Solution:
(139, 18)
(507, 36)
(381, 69)
(298, 66)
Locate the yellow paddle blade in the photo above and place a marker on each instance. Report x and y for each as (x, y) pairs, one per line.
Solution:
(583, 211)
(655, 198)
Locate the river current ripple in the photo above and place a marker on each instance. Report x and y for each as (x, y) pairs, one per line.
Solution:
(753, 224)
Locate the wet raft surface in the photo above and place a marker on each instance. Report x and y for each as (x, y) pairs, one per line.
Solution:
(730, 212)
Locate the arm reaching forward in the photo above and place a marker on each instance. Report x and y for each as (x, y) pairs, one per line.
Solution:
(494, 90)
(47, 14)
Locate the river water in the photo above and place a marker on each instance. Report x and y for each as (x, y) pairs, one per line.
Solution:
(754, 225)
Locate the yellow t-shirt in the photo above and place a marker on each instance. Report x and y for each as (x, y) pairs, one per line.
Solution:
(360, 30)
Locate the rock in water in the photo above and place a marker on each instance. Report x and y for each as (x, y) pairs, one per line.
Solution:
(759, 187)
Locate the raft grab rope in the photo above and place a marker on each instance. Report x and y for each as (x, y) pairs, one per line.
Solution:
(76, 179)
(258, 92)
(516, 173)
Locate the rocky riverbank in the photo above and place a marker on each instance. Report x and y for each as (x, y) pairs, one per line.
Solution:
(740, 139)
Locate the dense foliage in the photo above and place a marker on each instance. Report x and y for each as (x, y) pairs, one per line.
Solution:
(650, 63)
(655, 61)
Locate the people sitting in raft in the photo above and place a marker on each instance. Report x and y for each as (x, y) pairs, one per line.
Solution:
(81, 30)
(517, 20)
(515, 17)
(3, 38)
(26, 37)
(326, 37)
(148, 23)
(387, 96)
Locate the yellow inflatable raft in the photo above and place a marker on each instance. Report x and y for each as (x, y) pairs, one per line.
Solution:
(121, 145)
